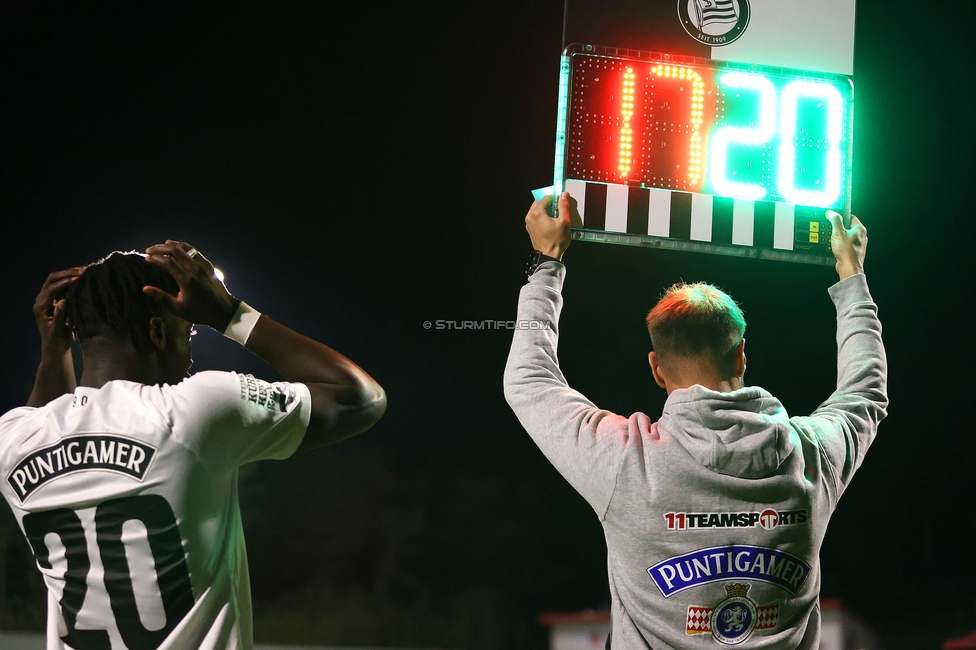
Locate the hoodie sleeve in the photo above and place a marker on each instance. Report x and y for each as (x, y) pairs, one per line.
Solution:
(583, 443)
(844, 426)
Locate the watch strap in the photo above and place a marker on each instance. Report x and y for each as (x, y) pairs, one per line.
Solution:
(535, 259)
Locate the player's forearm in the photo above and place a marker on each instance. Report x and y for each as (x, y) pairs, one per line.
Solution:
(861, 396)
(345, 399)
(861, 364)
(848, 420)
(847, 268)
(55, 377)
(532, 363)
(581, 441)
(535, 387)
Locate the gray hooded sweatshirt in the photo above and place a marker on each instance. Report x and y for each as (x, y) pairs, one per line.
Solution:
(713, 515)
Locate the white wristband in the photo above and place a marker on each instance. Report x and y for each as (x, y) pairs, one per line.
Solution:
(244, 320)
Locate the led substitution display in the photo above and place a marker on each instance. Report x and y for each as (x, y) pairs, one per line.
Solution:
(745, 132)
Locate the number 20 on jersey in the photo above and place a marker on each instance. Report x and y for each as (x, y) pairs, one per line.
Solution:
(746, 132)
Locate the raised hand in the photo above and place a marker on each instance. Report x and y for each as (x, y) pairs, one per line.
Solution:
(849, 245)
(550, 236)
(203, 298)
(56, 371)
(49, 310)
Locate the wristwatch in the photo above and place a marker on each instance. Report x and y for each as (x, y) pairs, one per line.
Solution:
(535, 259)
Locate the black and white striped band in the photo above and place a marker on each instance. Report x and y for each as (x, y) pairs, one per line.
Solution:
(704, 222)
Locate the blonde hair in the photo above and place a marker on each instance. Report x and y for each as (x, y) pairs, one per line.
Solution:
(694, 320)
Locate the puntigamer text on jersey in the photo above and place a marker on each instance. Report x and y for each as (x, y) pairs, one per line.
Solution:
(81, 453)
(735, 561)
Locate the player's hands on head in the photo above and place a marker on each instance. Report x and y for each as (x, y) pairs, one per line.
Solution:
(549, 236)
(203, 299)
(848, 245)
(50, 313)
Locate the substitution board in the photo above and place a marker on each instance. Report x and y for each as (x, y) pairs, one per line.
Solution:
(736, 151)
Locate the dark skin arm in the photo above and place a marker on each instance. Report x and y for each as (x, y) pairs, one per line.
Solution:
(345, 400)
(56, 371)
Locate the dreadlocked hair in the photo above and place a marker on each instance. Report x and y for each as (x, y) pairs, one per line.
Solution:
(107, 300)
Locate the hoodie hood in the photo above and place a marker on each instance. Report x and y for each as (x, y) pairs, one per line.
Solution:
(745, 433)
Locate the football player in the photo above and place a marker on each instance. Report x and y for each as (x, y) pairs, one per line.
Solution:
(126, 485)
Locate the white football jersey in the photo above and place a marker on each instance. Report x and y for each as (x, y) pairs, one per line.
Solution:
(128, 497)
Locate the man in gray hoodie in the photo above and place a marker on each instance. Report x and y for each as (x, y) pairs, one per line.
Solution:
(713, 515)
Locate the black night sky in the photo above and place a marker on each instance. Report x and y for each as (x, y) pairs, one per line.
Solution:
(357, 171)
